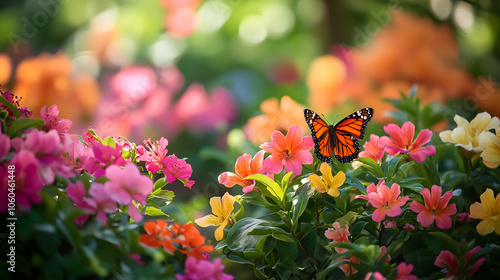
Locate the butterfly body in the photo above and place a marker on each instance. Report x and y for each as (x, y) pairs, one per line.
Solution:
(340, 139)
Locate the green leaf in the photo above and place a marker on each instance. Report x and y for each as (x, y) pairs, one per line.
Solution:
(160, 183)
(371, 166)
(270, 185)
(153, 211)
(447, 241)
(11, 107)
(109, 141)
(299, 202)
(20, 125)
(239, 239)
(286, 180)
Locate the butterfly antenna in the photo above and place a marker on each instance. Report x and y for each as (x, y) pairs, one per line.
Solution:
(324, 118)
(334, 119)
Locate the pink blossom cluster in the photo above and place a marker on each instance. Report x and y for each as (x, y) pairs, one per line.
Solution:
(400, 142)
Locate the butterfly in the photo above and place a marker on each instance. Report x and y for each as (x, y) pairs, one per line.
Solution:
(342, 138)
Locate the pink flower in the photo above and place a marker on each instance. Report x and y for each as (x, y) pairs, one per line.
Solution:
(387, 201)
(446, 257)
(25, 112)
(100, 201)
(401, 141)
(127, 184)
(46, 146)
(404, 272)
(4, 145)
(338, 234)
(177, 169)
(28, 183)
(375, 276)
(181, 19)
(52, 122)
(105, 156)
(154, 154)
(290, 151)
(76, 155)
(244, 167)
(203, 269)
(436, 208)
(201, 112)
(77, 193)
(371, 188)
(373, 149)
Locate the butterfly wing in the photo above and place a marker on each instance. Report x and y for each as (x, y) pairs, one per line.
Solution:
(348, 131)
(321, 134)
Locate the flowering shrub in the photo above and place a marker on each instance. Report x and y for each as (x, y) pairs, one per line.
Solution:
(94, 207)
(83, 206)
(395, 213)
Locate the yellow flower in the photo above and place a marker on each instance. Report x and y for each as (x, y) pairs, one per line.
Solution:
(221, 209)
(466, 135)
(327, 183)
(490, 143)
(488, 211)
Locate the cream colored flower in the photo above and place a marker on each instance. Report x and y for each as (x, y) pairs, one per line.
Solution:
(466, 135)
(490, 143)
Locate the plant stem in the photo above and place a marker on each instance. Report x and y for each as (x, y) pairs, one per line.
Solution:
(307, 257)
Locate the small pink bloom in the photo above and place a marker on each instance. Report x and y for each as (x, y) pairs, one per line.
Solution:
(290, 151)
(390, 224)
(409, 227)
(373, 149)
(374, 276)
(46, 146)
(384, 251)
(387, 201)
(105, 156)
(451, 260)
(76, 155)
(25, 112)
(100, 201)
(436, 208)
(401, 141)
(404, 272)
(28, 183)
(154, 154)
(134, 213)
(463, 218)
(127, 184)
(338, 234)
(371, 188)
(245, 166)
(203, 269)
(77, 193)
(175, 168)
(52, 122)
(4, 145)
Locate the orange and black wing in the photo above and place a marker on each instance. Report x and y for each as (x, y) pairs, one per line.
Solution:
(321, 134)
(348, 131)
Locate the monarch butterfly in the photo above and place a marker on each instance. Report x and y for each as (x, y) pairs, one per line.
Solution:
(341, 138)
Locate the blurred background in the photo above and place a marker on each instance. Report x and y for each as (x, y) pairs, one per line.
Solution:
(216, 77)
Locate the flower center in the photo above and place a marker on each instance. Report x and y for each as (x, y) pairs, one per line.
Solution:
(287, 154)
(387, 206)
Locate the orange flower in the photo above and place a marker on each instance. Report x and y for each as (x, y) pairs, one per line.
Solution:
(157, 235)
(47, 80)
(275, 117)
(192, 243)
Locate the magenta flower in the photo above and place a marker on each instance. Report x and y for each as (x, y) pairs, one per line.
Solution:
(387, 201)
(100, 201)
(375, 276)
(401, 141)
(175, 168)
(373, 149)
(290, 151)
(203, 269)
(127, 184)
(446, 257)
(76, 155)
(404, 272)
(28, 183)
(4, 145)
(105, 156)
(25, 112)
(436, 208)
(52, 122)
(77, 193)
(154, 154)
(46, 146)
